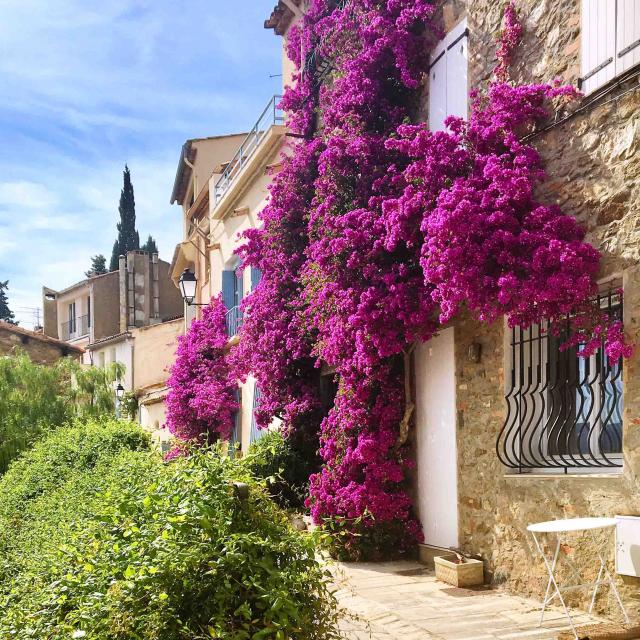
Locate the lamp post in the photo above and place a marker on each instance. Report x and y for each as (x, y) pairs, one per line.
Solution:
(188, 287)
(119, 396)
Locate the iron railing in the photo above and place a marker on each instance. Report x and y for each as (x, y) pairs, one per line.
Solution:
(316, 64)
(233, 321)
(564, 411)
(272, 115)
(75, 328)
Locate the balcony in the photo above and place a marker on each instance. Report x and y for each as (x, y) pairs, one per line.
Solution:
(265, 133)
(233, 321)
(74, 329)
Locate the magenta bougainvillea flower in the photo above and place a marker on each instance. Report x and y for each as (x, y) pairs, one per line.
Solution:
(201, 399)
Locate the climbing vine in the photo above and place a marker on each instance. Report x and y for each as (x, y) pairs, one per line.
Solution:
(378, 232)
(201, 398)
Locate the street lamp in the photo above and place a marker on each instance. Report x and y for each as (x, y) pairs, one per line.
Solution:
(188, 285)
(119, 396)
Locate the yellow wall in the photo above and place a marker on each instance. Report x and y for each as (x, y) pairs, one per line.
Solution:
(154, 352)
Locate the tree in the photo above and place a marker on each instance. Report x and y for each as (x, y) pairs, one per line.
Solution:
(98, 266)
(5, 313)
(150, 245)
(35, 398)
(128, 238)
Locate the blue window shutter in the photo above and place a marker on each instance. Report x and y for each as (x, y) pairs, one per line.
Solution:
(256, 274)
(229, 289)
(239, 286)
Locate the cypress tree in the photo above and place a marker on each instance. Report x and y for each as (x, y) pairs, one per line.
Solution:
(5, 313)
(128, 238)
(150, 245)
(98, 266)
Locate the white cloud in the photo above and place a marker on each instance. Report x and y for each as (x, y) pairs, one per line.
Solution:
(30, 195)
(86, 87)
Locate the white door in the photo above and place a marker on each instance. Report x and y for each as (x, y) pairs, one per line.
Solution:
(436, 440)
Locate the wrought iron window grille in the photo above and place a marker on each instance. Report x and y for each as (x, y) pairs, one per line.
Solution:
(564, 411)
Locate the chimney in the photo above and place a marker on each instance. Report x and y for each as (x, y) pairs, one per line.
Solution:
(124, 310)
(155, 288)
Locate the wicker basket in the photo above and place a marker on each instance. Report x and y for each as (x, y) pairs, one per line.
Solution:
(468, 573)
(604, 632)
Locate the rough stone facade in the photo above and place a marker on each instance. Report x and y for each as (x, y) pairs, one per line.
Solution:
(594, 175)
(40, 348)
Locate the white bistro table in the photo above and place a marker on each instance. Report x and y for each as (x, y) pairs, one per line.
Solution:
(554, 589)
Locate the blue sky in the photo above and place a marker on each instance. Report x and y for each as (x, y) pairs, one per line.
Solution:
(88, 86)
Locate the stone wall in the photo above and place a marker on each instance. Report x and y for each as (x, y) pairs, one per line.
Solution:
(39, 348)
(594, 175)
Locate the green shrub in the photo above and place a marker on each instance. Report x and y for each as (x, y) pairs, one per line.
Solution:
(124, 546)
(35, 399)
(284, 466)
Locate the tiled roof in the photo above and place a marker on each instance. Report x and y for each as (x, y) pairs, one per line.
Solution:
(114, 338)
(280, 18)
(41, 337)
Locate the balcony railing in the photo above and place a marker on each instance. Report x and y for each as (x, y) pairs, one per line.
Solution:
(234, 321)
(272, 115)
(77, 328)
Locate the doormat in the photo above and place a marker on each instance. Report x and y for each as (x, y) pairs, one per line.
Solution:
(604, 632)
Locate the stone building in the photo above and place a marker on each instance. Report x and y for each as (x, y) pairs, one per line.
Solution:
(41, 348)
(485, 470)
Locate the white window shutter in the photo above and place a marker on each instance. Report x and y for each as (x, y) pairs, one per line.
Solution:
(457, 63)
(448, 90)
(627, 35)
(438, 92)
(598, 43)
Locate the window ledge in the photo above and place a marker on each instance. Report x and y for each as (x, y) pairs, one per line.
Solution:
(563, 476)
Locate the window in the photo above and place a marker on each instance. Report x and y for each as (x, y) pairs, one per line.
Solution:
(88, 312)
(448, 78)
(72, 318)
(256, 276)
(564, 411)
(232, 293)
(610, 40)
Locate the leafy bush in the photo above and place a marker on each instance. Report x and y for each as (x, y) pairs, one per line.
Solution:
(284, 465)
(35, 398)
(123, 545)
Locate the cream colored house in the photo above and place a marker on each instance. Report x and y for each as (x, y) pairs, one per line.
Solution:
(222, 184)
(131, 316)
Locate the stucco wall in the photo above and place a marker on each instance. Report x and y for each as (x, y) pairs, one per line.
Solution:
(594, 174)
(225, 239)
(154, 352)
(106, 305)
(171, 304)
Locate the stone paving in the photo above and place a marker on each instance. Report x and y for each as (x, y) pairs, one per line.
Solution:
(403, 600)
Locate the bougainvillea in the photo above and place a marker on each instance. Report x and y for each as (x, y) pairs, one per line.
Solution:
(201, 398)
(378, 232)
(509, 39)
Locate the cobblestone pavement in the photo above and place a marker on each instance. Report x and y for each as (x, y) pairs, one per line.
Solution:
(403, 600)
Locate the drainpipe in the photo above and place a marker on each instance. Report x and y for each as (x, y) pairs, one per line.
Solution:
(156, 286)
(193, 170)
